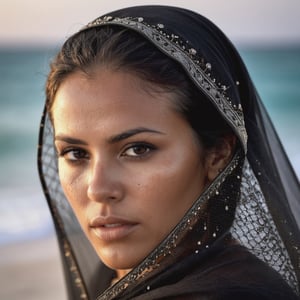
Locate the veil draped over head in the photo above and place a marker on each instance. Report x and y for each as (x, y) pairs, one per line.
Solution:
(255, 198)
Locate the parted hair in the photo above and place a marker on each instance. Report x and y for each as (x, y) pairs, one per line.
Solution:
(121, 49)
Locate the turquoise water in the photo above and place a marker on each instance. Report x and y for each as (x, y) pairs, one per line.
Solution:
(276, 74)
(23, 211)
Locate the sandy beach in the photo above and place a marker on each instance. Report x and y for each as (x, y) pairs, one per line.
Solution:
(31, 271)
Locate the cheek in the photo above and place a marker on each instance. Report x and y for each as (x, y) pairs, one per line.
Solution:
(73, 187)
(170, 189)
(176, 176)
(65, 178)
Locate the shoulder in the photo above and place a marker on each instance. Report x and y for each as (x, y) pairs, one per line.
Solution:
(223, 273)
(232, 272)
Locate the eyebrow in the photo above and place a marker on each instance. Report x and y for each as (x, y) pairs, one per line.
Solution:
(131, 132)
(112, 140)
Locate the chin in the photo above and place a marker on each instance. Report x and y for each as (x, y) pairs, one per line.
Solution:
(118, 265)
(118, 261)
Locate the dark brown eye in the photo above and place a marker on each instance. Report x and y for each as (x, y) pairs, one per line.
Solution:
(137, 150)
(74, 154)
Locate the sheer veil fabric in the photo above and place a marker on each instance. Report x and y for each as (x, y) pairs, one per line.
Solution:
(255, 198)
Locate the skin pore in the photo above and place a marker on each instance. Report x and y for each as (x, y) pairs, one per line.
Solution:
(129, 164)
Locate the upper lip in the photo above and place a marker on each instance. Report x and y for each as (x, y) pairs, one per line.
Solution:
(100, 221)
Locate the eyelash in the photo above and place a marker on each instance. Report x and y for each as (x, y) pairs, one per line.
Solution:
(84, 154)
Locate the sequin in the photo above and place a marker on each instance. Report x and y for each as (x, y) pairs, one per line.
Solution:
(192, 51)
(208, 66)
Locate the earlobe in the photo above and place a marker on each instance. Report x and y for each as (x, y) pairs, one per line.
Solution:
(219, 156)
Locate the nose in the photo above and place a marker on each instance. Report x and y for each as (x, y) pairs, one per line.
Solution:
(104, 183)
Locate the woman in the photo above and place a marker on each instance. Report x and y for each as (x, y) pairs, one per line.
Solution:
(166, 179)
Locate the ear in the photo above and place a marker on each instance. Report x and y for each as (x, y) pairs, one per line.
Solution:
(219, 156)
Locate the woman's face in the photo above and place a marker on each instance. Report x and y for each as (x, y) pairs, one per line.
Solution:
(129, 164)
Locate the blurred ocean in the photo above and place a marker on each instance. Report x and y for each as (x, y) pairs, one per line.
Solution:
(23, 211)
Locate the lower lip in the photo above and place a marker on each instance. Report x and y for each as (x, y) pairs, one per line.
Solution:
(109, 234)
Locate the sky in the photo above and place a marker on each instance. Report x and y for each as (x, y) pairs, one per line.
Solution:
(36, 22)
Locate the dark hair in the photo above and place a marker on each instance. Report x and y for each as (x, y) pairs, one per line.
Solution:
(123, 49)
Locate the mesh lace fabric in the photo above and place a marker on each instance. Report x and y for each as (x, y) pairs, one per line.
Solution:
(254, 228)
(273, 238)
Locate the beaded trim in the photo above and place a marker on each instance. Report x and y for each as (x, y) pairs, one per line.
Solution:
(196, 68)
(76, 276)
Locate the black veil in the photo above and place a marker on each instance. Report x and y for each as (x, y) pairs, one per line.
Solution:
(257, 194)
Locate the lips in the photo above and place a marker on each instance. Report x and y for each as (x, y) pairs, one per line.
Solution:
(109, 229)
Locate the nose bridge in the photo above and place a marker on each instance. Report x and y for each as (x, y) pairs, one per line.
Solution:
(103, 184)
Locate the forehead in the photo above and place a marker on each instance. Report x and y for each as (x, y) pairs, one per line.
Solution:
(103, 81)
(118, 97)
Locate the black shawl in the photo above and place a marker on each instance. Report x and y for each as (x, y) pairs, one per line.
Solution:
(254, 201)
